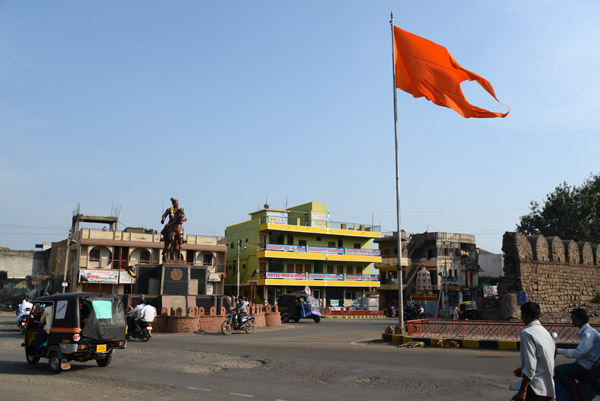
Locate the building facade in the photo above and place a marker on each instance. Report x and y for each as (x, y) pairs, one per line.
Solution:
(285, 251)
(97, 260)
(450, 258)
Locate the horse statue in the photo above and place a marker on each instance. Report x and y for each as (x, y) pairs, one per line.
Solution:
(173, 236)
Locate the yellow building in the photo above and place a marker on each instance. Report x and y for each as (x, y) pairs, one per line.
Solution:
(285, 251)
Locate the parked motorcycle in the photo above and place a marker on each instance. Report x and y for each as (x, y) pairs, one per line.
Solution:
(231, 323)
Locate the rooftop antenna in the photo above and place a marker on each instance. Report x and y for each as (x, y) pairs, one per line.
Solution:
(427, 229)
(286, 201)
(267, 202)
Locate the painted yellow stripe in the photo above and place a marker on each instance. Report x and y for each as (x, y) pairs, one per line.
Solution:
(320, 283)
(319, 230)
(509, 345)
(397, 338)
(470, 343)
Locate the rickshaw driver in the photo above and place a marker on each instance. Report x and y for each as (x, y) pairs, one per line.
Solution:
(45, 325)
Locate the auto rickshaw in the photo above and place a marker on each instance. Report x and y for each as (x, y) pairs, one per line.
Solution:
(467, 310)
(298, 306)
(85, 326)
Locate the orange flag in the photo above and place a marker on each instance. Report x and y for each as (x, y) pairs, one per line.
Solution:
(424, 68)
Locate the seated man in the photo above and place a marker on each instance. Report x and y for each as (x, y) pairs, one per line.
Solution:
(242, 310)
(586, 354)
(146, 316)
(41, 337)
(132, 317)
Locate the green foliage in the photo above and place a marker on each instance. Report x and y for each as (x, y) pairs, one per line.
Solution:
(569, 212)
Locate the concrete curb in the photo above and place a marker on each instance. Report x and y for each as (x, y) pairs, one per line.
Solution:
(504, 345)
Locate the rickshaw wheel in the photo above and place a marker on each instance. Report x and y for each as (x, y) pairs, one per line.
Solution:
(249, 327)
(285, 317)
(296, 319)
(55, 362)
(226, 328)
(317, 318)
(104, 361)
(31, 359)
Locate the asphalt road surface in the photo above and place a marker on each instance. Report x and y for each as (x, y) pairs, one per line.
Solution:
(337, 359)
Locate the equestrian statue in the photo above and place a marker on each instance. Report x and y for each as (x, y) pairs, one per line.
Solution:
(172, 233)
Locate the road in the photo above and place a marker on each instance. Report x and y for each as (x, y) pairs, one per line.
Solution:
(338, 359)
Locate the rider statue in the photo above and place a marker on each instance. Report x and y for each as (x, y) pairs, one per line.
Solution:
(172, 233)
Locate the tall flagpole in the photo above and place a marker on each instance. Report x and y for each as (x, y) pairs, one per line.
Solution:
(399, 243)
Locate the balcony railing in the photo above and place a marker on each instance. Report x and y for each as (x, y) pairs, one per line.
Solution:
(321, 250)
(321, 276)
(322, 224)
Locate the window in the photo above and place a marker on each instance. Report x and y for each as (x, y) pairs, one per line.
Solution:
(340, 270)
(331, 244)
(350, 270)
(263, 269)
(359, 270)
(302, 242)
(290, 239)
(95, 255)
(308, 268)
(318, 239)
(299, 268)
(207, 259)
(232, 245)
(329, 269)
(430, 253)
(289, 268)
(356, 246)
(145, 256)
(385, 252)
(340, 242)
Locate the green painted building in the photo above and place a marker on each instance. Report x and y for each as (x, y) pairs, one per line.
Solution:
(284, 251)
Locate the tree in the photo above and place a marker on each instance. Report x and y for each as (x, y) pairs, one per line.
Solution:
(569, 212)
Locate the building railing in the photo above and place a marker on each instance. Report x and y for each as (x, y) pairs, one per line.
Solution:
(321, 250)
(321, 276)
(291, 221)
(87, 233)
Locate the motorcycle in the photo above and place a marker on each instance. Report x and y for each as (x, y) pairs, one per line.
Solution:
(231, 323)
(144, 332)
(416, 311)
(22, 320)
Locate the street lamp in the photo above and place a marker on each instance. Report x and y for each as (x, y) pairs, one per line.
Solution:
(239, 245)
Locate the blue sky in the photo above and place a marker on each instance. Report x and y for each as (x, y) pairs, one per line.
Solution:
(223, 104)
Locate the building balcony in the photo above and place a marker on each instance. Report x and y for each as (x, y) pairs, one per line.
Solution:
(319, 279)
(319, 253)
(320, 227)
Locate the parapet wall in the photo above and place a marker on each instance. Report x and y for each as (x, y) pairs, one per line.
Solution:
(555, 273)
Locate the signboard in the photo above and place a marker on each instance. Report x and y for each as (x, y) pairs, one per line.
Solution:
(286, 248)
(99, 276)
(362, 277)
(277, 218)
(65, 284)
(320, 249)
(324, 276)
(423, 280)
(365, 252)
(125, 278)
(289, 276)
(521, 298)
(320, 219)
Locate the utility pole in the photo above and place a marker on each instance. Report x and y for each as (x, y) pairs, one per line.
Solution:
(67, 252)
(239, 244)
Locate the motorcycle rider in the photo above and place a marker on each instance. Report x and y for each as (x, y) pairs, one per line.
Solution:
(132, 326)
(242, 310)
(24, 308)
(146, 316)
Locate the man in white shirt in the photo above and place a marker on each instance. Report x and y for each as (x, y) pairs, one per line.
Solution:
(24, 308)
(586, 354)
(146, 315)
(537, 358)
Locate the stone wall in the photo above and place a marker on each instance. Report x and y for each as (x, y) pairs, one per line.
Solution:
(555, 273)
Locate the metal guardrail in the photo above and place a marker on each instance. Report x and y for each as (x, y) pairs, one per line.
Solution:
(486, 329)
